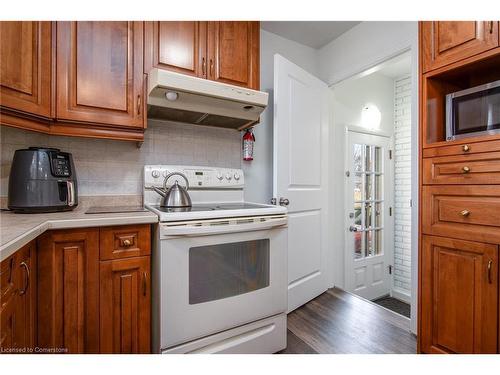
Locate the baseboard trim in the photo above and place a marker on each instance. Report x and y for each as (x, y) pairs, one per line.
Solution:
(401, 295)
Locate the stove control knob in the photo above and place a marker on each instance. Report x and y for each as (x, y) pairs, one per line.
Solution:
(165, 173)
(228, 176)
(155, 173)
(236, 176)
(219, 176)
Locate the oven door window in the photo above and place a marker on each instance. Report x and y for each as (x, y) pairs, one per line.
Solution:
(226, 270)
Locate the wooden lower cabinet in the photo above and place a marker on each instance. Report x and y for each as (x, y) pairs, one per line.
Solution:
(68, 291)
(88, 305)
(18, 301)
(125, 300)
(459, 296)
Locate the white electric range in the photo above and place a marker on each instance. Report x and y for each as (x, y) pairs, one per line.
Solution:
(219, 267)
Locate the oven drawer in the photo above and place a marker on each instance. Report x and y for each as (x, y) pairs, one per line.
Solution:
(472, 169)
(125, 241)
(462, 149)
(467, 212)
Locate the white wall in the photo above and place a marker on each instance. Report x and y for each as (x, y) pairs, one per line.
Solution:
(364, 46)
(361, 48)
(259, 172)
(352, 95)
(349, 97)
(402, 189)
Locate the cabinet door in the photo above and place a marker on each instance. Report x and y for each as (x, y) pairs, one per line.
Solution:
(26, 296)
(179, 46)
(99, 73)
(25, 66)
(233, 50)
(7, 303)
(459, 296)
(17, 300)
(68, 290)
(125, 305)
(445, 42)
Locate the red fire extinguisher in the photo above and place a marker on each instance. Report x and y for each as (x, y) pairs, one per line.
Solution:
(248, 142)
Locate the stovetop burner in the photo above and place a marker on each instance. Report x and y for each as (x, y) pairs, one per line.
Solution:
(211, 207)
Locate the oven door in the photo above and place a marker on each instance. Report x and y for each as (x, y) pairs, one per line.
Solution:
(220, 274)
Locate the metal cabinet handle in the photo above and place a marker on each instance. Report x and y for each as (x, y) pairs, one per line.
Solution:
(490, 263)
(211, 68)
(138, 104)
(127, 243)
(465, 169)
(352, 228)
(465, 213)
(203, 66)
(466, 148)
(27, 279)
(144, 283)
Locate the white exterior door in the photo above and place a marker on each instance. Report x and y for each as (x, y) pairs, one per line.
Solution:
(368, 212)
(301, 118)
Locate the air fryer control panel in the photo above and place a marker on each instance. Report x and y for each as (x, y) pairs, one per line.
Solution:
(59, 164)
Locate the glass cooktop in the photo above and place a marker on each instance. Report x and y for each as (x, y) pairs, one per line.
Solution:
(211, 207)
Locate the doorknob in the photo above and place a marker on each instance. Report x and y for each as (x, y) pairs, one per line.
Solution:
(352, 228)
(284, 202)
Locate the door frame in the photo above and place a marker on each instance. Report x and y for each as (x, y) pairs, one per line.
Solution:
(388, 220)
(358, 71)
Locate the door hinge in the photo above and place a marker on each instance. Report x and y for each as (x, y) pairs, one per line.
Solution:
(390, 211)
(390, 154)
(390, 269)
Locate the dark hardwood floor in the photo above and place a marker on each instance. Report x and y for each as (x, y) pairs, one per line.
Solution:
(339, 322)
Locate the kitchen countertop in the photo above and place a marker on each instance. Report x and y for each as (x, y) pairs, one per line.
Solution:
(16, 230)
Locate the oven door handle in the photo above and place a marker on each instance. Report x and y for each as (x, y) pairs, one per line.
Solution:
(213, 227)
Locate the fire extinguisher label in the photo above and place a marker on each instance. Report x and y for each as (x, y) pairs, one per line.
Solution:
(247, 149)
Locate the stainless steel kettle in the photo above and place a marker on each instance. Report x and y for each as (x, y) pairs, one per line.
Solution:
(176, 196)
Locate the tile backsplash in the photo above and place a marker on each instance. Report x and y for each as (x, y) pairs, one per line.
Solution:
(106, 167)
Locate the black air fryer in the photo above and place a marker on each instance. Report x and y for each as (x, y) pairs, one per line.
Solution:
(42, 180)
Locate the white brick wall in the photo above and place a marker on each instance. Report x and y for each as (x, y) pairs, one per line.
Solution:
(402, 188)
(107, 167)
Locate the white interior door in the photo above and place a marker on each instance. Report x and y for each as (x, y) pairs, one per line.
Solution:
(368, 211)
(301, 176)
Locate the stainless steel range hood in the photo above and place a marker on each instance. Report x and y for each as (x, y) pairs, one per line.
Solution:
(182, 98)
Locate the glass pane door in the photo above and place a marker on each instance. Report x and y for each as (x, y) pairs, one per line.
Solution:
(368, 197)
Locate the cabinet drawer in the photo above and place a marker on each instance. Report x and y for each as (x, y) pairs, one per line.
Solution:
(471, 169)
(467, 212)
(462, 149)
(125, 241)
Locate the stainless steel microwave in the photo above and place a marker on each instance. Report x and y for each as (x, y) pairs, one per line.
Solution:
(473, 112)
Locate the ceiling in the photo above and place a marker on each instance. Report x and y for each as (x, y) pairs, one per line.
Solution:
(314, 34)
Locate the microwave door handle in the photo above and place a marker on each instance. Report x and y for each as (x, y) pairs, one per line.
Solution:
(71, 193)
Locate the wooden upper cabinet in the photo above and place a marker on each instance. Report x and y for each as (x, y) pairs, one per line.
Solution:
(25, 67)
(226, 51)
(68, 290)
(459, 296)
(233, 53)
(100, 73)
(179, 46)
(445, 42)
